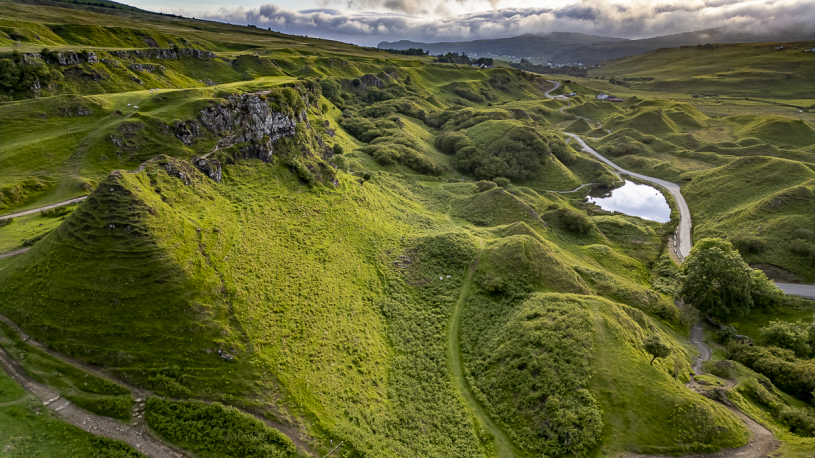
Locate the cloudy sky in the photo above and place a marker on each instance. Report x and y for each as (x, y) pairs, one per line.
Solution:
(367, 22)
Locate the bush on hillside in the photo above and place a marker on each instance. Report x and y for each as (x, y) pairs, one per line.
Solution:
(452, 142)
(575, 221)
(502, 182)
(800, 421)
(519, 155)
(747, 244)
(791, 374)
(798, 337)
(484, 185)
(216, 429)
(718, 282)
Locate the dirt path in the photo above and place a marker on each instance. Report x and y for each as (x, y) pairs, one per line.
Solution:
(761, 444)
(135, 434)
(47, 207)
(141, 393)
(15, 252)
(503, 445)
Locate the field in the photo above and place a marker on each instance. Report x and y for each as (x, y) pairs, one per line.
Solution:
(295, 243)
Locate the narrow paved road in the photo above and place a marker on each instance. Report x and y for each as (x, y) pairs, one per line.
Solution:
(684, 229)
(47, 207)
(683, 233)
(797, 290)
(15, 252)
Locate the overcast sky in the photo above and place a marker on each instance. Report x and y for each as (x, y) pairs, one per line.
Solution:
(367, 22)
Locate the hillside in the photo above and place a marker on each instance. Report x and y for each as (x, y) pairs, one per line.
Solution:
(297, 247)
(570, 48)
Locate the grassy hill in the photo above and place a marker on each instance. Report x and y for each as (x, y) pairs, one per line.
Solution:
(318, 244)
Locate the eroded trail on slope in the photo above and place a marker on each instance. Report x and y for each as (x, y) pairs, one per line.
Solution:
(74, 413)
(136, 435)
(761, 444)
(503, 445)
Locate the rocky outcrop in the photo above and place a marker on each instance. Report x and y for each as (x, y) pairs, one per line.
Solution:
(92, 59)
(370, 81)
(68, 58)
(168, 54)
(145, 67)
(209, 167)
(249, 119)
(187, 132)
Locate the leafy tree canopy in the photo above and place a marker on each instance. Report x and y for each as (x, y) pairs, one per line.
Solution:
(719, 283)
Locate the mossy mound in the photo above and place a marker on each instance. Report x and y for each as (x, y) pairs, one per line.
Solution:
(777, 130)
(648, 120)
(493, 208)
(578, 127)
(517, 262)
(596, 111)
(111, 286)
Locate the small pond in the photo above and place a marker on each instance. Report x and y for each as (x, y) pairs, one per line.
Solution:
(633, 199)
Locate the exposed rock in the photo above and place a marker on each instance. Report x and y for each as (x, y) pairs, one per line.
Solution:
(174, 171)
(112, 62)
(78, 111)
(92, 59)
(145, 67)
(370, 81)
(164, 54)
(68, 58)
(187, 131)
(249, 119)
(209, 167)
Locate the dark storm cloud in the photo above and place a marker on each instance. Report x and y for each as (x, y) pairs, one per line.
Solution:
(638, 19)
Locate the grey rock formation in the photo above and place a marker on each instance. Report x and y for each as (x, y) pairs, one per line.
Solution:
(68, 58)
(209, 167)
(249, 119)
(187, 132)
(92, 59)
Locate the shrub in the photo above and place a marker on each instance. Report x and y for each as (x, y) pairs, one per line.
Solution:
(502, 182)
(484, 185)
(108, 406)
(575, 221)
(338, 149)
(797, 337)
(747, 244)
(216, 429)
(791, 374)
(6, 221)
(725, 334)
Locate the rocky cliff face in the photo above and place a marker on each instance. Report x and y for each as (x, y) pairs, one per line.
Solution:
(169, 54)
(249, 119)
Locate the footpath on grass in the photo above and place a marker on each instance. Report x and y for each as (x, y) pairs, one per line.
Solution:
(47, 207)
(503, 445)
(136, 433)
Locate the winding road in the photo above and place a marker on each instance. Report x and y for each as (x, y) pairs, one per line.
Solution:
(683, 232)
(47, 207)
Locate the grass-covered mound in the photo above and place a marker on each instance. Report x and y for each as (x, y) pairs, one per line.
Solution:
(107, 287)
(579, 127)
(780, 131)
(763, 205)
(492, 208)
(532, 372)
(596, 111)
(566, 373)
(648, 120)
(518, 263)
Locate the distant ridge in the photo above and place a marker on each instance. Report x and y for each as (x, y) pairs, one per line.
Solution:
(569, 48)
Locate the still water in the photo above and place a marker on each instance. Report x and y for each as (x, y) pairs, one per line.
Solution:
(633, 199)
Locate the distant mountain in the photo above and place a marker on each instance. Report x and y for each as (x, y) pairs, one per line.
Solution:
(567, 48)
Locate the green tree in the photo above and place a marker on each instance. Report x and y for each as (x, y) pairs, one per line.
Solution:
(656, 348)
(718, 282)
(9, 74)
(797, 337)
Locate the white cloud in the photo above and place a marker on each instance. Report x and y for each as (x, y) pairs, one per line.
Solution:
(419, 20)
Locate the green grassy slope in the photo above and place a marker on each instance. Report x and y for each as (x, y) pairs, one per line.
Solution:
(348, 278)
